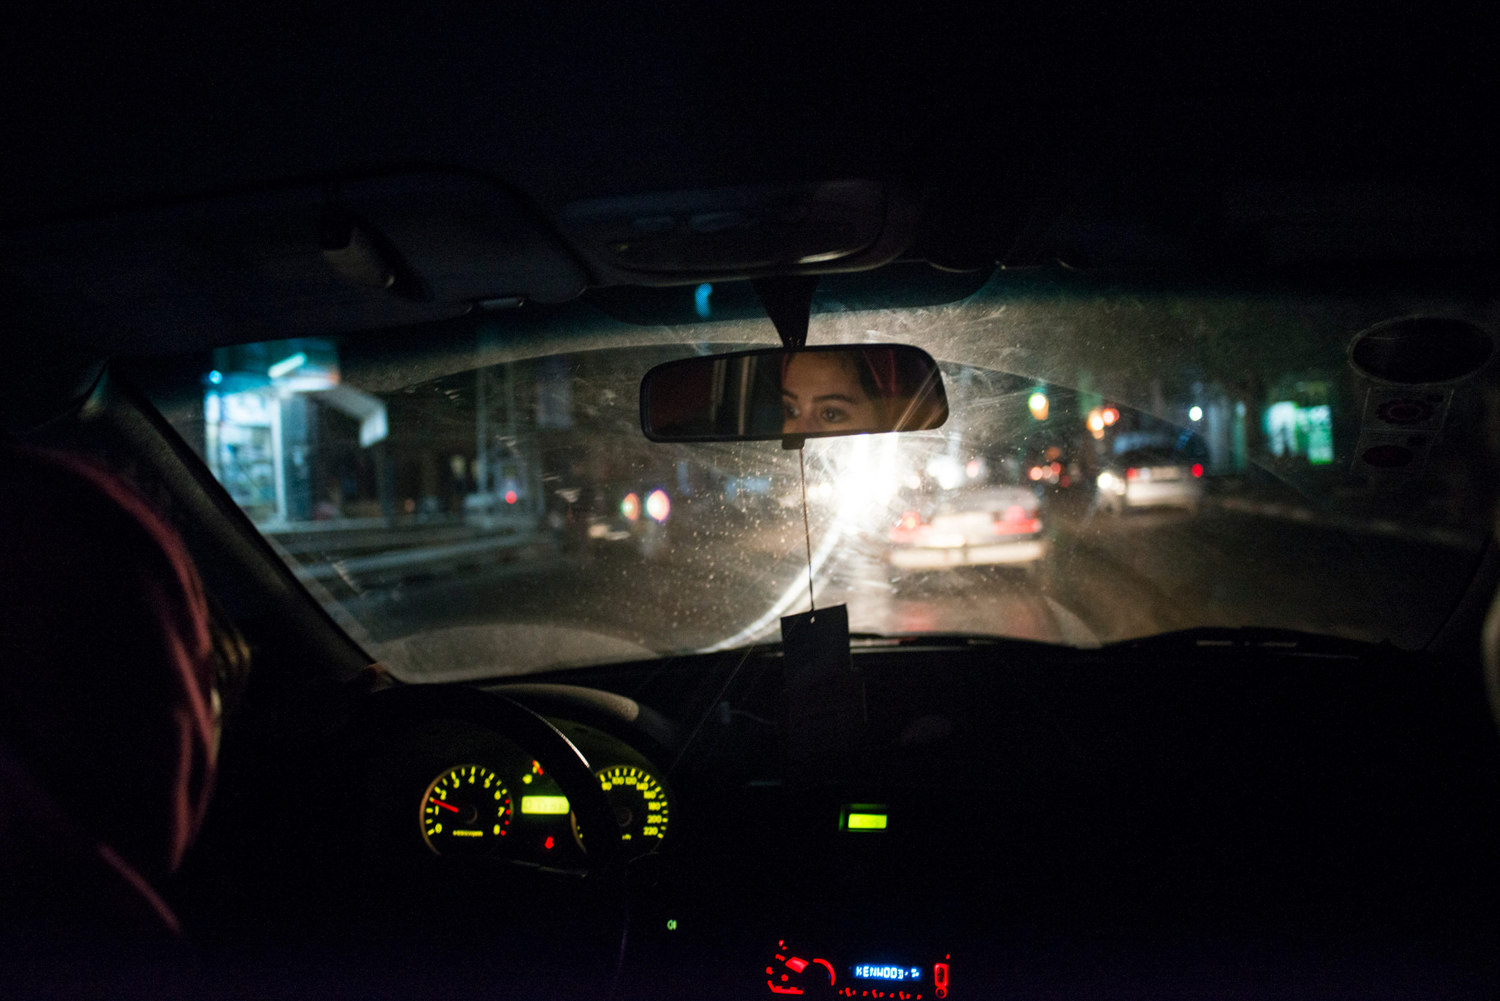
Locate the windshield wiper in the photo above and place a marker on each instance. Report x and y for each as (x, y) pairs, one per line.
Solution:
(930, 639)
(1292, 642)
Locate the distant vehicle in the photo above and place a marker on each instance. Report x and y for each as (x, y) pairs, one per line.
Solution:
(1151, 477)
(993, 525)
(634, 516)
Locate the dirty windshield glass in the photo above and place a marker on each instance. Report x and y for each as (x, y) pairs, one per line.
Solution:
(1113, 467)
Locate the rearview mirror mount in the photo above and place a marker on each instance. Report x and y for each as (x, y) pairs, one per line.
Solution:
(790, 395)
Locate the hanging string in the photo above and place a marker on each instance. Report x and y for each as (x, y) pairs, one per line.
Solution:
(806, 531)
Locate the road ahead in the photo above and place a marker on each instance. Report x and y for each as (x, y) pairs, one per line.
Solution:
(1105, 578)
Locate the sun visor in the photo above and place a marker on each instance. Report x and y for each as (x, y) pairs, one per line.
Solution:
(287, 262)
(465, 238)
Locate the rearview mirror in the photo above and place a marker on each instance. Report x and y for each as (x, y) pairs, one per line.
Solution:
(819, 392)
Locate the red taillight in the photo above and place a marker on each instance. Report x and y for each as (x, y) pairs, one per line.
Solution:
(1016, 521)
(905, 530)
(1197, 470)
(1132, 473)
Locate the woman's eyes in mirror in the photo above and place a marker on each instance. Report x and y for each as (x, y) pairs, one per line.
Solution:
(827, 415)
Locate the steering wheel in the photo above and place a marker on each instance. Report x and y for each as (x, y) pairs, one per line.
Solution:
(559, 933)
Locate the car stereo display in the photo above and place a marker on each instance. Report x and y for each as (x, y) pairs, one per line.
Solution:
(897, 980)
(873, 971)
(792, 971)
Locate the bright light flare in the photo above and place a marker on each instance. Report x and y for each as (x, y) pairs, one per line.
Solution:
(862, 474)
(658, 505)
(946, 470)
(630, 507)
(865, 472)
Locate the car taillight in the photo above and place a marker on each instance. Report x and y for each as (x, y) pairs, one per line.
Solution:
(1016, 521)
(905, 529)
(1197, 470)
(1132, 473)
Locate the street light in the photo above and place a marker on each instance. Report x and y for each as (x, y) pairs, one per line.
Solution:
(1038, 405)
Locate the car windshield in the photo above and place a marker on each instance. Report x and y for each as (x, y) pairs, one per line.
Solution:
(481, 501)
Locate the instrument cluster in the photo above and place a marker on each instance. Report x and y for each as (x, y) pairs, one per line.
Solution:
(453, 788)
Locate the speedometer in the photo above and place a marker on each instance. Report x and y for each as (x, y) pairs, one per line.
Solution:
(639, 803)
(466, 809)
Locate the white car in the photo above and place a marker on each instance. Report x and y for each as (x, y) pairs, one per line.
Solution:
(1146, 478)
(996, 525)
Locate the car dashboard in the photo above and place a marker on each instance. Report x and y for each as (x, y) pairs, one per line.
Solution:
(1181, 816)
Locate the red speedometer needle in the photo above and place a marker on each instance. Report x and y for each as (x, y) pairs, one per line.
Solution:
(445, 806)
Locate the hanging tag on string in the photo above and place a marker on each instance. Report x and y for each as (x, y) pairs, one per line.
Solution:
(824, 707)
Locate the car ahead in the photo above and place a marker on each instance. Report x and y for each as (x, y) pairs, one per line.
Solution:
(638, 517)
(977, 526)
(307, 283)
(1147, 478)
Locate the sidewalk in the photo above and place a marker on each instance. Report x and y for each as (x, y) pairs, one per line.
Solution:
(1439, 534)
(371, 551)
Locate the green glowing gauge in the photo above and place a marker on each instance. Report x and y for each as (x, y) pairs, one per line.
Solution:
(639, 803)
(466, 810)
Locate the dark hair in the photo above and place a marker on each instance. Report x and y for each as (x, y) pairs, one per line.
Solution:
(106, 683)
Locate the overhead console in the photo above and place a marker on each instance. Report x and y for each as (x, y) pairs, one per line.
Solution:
(673, 237)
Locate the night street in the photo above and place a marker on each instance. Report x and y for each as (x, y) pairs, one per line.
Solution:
(1105, 578)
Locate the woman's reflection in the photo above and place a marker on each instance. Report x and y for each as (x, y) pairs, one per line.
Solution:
(830, 391)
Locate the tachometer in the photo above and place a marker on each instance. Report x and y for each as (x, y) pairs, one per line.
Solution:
(467, 809)
(639, 802)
